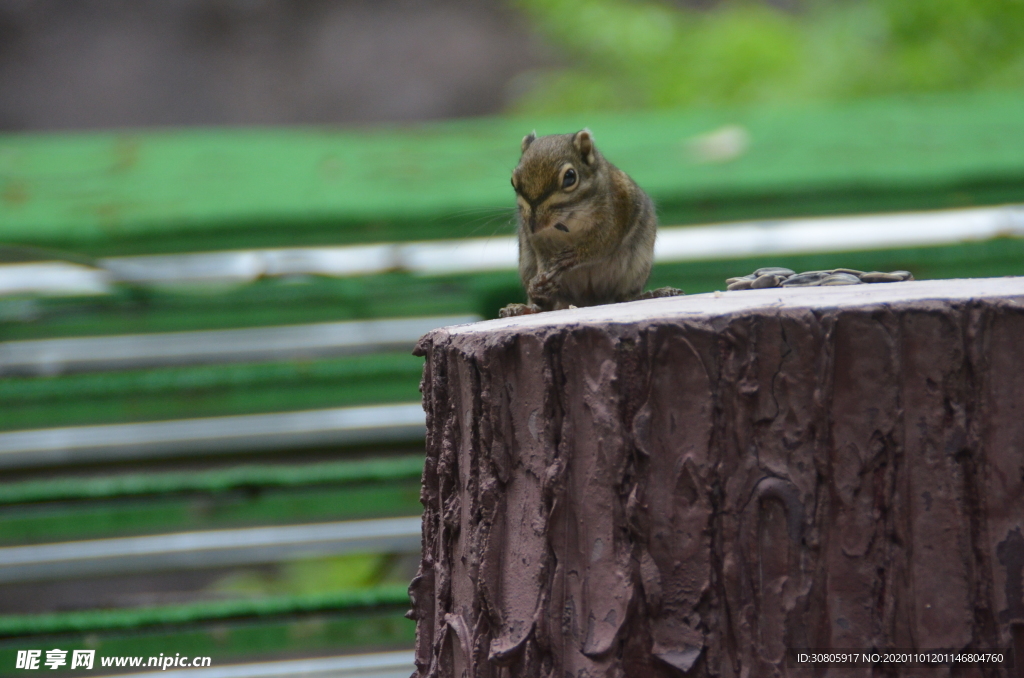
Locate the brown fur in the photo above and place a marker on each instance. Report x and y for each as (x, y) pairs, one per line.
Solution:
(582, 245)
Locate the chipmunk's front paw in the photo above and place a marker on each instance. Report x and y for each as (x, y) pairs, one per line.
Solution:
(513, 310)
(661, 292)
(543, 287)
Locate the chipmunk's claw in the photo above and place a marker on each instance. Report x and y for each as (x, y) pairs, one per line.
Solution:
(543, 287)
(661, 292)
(513, 310)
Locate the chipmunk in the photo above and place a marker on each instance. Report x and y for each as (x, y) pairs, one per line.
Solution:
(586, 230)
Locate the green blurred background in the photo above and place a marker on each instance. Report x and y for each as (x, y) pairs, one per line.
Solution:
(640, 55)
(171, 169)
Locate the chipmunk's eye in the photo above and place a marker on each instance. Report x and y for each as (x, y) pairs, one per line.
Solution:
(569, 178)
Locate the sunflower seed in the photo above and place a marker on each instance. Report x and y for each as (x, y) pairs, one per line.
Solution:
(768, 280)
(840, 279)
(776, 276)
(808, 279)
(773, 270)
(880, 277)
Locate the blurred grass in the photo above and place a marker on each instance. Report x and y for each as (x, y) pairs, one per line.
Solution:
(630, 55)
(305, 577)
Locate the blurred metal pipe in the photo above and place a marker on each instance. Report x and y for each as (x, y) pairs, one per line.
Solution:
(53, 279)
(239, 266)
(675, 244)
(838, 234)
(470, 255)
(379, 665)
(133, 351)
(216, 435)
(465, 255)
(212, 548)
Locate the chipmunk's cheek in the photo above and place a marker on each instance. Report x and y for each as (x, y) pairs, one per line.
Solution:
(557, 223)
(547, 225)
(569, 223)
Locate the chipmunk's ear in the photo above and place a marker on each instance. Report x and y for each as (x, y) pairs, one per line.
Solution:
(528, 139)
(584, 143)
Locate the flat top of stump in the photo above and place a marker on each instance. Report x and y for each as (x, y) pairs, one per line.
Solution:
(720, 304)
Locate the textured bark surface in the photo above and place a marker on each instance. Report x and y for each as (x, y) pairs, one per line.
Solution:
(693, 485)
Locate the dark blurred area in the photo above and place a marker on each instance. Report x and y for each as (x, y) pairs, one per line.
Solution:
(117, 64)
(125, 63)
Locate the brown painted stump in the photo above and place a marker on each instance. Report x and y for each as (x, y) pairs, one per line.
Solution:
(696, 485)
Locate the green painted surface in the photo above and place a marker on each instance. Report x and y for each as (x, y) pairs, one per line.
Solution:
(166, 191)
(244, 507)
(59, 509)
(209, 390)
(73, 508)
(109, 620)
(252, 477)
(266, 302)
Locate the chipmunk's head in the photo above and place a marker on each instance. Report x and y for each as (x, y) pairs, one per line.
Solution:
(555, 176)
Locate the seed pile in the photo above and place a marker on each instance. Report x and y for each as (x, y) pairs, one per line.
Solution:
(784, 277)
